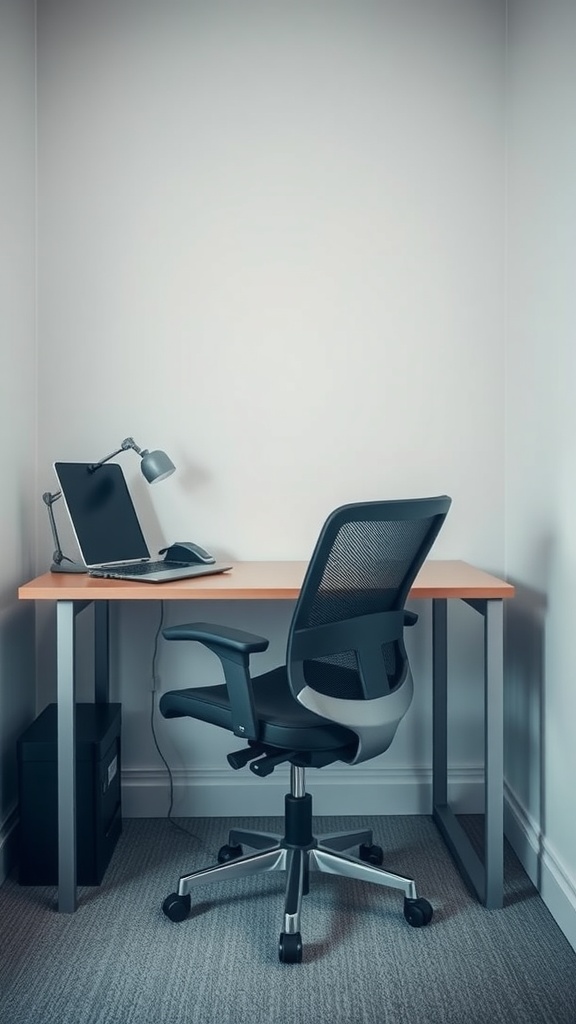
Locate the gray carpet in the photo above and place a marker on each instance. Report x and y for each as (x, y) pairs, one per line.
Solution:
(119, 960)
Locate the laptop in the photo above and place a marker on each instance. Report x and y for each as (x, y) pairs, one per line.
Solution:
(107, 529)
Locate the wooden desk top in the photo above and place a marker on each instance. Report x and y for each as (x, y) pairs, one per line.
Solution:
(256, 581)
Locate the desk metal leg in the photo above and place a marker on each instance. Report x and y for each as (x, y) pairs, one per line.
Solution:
(66, 612)
(486, 878)
(494, 751)
(440, 703)
(65, 637)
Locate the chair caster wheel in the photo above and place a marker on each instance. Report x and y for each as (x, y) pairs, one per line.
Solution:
(176, 907)
(226, 853)
(372, 854)
(290, 948)
(417, 912)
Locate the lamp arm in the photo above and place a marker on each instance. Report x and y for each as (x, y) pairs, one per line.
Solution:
(127, 444)
(59, 557)
(49, 500)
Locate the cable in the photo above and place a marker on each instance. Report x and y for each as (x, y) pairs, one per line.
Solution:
(153, 728)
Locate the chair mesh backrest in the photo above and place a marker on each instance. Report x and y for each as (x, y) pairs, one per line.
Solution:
(365, 562)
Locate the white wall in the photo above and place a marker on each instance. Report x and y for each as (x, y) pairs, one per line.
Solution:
(17, 391)
(540, 453)
(281, 227)
(271, 242)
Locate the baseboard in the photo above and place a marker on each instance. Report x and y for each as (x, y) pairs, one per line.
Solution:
(220, 792)
(542, 864)
(8, 845)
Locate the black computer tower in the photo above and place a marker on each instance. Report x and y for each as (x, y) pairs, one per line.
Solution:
(98, 794)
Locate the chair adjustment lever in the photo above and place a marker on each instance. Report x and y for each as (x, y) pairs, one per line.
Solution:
(239, 758)
(266, 765)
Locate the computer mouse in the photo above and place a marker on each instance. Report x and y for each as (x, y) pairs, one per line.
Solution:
(186, 551)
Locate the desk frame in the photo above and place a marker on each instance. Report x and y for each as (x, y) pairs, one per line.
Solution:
(486, 878)
(439, 581)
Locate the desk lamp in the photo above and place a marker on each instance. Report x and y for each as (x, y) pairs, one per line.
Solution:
(155, 466)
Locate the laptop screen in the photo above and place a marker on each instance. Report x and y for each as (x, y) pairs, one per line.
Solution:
(102, 513)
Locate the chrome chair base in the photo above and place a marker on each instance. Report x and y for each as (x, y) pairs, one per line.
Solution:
(298, 853)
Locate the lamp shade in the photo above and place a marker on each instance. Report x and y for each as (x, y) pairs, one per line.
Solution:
(156, 465)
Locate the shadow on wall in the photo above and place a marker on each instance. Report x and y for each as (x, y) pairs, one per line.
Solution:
(524, 714)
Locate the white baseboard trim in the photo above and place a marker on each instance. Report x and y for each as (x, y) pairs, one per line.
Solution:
(542, 864)
(8, 844)
(220, 792)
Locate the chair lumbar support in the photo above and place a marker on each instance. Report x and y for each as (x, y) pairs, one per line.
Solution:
(298, 852)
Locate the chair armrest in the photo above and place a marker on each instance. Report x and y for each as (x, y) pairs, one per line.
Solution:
(233, 647)
(214, 635)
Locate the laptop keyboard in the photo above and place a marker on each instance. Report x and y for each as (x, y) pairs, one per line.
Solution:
(138, 569)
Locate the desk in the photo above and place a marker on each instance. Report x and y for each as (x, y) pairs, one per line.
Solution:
(438, 581)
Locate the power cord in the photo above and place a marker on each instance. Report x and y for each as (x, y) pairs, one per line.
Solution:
(155, 682)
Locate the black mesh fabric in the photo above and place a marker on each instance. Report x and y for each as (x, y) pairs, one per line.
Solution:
(365, 571)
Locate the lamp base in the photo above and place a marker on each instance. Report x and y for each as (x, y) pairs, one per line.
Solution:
(67, 567)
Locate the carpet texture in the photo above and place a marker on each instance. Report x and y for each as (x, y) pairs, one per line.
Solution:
(119, 960)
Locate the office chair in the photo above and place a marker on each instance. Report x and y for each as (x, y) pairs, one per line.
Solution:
(340, 696)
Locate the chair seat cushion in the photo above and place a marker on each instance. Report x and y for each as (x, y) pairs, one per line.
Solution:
(283, 721)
